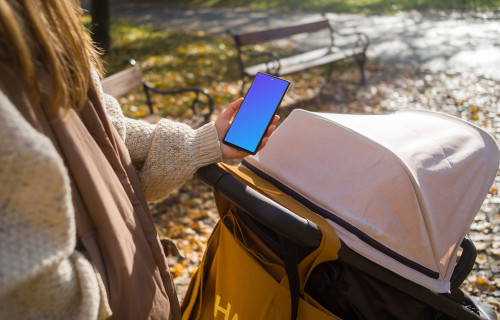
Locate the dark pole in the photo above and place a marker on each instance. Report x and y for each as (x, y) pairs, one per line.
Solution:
(100, 13)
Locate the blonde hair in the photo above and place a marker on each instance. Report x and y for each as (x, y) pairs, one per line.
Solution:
(49, 34)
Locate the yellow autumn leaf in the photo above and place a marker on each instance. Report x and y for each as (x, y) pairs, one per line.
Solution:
(494, 190)
(192, 272)
(177, 269)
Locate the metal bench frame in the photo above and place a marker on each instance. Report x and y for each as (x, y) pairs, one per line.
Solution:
(289, 65)
(126, 80)
(305, 234)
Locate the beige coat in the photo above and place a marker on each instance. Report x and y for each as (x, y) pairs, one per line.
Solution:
(42, 275)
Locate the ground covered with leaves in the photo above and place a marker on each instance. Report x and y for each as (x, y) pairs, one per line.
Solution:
(189, 215)
(173, 59)
(348, 6)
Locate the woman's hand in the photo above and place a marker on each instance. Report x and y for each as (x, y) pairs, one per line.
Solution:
(222, 124)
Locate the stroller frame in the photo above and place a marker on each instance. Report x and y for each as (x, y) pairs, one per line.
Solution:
(305, 233)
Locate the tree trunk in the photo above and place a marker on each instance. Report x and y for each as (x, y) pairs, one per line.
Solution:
(100, 13)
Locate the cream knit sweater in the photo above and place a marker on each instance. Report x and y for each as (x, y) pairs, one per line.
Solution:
(42, 276)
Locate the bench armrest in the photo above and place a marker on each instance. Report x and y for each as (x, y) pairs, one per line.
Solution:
(202, 104)
(363, 41)
(273, 64)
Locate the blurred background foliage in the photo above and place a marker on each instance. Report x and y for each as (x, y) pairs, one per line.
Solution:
(347, 6)
(173, 59)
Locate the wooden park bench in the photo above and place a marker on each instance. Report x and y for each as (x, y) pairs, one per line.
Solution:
(131, 78)
(305, 60)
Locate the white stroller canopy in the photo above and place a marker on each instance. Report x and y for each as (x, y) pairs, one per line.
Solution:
(401, 189)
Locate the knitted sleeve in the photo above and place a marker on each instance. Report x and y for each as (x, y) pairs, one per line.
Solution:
(170, 151)
(41, 276)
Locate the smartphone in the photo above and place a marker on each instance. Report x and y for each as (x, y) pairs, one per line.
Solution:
(256, 112)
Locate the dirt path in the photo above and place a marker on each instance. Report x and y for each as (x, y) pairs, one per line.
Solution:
(443, 62)
(450, 42)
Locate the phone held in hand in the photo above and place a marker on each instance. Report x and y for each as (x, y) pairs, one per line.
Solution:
(256, 113)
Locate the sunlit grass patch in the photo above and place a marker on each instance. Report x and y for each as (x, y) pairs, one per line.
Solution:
(347, 6)
(173, 59)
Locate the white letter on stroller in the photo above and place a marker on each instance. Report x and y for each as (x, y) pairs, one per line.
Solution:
(226, 312)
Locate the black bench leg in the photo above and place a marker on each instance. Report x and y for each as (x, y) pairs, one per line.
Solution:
(243, 82)
(149, 102)
(329, 73)
(242, 90)
(361, 60)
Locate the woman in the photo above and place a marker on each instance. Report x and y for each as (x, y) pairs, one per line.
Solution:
(76, 236)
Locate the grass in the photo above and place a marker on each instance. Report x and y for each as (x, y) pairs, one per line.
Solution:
(173, 59)
(347, 6)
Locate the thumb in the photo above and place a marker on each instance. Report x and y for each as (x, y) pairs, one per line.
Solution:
(232, 108)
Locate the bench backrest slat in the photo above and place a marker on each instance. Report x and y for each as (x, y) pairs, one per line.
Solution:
(123, 82)
(243, 39)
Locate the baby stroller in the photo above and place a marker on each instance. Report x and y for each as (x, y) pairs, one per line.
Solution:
(347, 217)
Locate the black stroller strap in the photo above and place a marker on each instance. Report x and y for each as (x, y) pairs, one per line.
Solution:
(286, 249)
(343, 223)
(290, 258)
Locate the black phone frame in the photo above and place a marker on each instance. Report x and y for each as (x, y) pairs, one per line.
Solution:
(270, 120)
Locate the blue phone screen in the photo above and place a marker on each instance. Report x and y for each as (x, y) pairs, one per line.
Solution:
(256, 112)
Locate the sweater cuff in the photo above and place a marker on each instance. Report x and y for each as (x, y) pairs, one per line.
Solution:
(205, 144)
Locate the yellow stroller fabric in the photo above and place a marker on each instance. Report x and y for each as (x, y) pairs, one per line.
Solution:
(245, 276)
(241, 278)
(401, 189)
